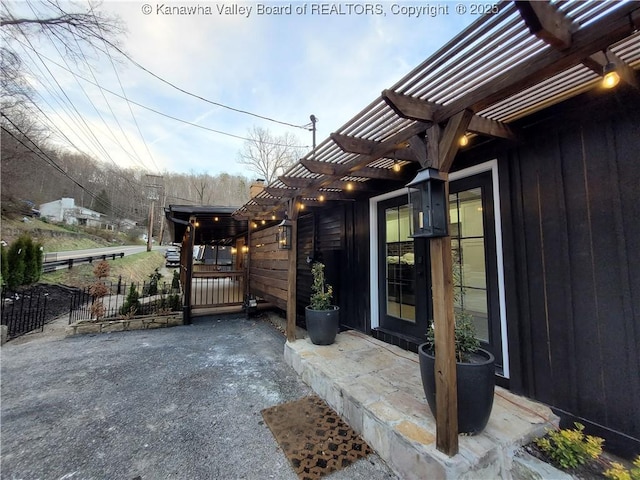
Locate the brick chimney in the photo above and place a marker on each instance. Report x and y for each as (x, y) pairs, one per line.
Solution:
(256, 187)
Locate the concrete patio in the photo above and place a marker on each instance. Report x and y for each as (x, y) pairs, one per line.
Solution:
(376, 388)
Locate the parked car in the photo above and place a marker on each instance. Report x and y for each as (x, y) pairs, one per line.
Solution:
(172, 259)
(172, 249)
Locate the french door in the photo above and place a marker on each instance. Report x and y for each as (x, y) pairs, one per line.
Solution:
(403, 275)
(404, 279)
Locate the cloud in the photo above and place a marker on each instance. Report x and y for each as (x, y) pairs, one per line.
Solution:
(285, 67)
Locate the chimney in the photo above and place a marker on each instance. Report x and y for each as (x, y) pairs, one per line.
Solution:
(256, 187)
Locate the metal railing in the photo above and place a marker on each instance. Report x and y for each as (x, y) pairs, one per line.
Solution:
(50, 265)
(217, 289)
(23, 312)
(147, 298)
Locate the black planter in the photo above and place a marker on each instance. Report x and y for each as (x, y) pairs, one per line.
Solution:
(322, 325)
(476, 384)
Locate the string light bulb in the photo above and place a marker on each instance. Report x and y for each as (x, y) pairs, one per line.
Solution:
(321, 198)
(610, 77)
(396, 166)
(464, 141)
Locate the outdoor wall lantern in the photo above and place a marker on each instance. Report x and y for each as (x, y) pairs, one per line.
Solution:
(427, 203)
(283, 237)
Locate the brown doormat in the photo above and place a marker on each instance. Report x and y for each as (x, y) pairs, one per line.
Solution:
(313, 437)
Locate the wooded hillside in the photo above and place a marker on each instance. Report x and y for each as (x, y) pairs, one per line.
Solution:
(34, 171)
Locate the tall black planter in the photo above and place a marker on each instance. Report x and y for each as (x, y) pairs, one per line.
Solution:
(476, 384)
(322, 325)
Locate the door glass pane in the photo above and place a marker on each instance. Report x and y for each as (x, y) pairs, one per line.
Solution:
(469, 266)
(400, 278)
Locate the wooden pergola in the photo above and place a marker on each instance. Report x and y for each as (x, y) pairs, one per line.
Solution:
(506, 66)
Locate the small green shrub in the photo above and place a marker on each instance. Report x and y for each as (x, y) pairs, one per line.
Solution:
(465, 337)
(154, 278)
(571, 448)
(5, 265)
(322, 291)
(131, 304)
(619, 472)
(175, 281)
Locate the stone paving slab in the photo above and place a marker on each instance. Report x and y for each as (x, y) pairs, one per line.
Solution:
(376, 387)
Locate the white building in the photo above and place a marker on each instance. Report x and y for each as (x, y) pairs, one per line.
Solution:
(65, 210)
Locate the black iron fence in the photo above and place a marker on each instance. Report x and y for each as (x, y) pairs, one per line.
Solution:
(23, 312)
(125, 300)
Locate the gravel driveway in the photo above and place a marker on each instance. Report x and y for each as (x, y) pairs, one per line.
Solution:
(181, 403)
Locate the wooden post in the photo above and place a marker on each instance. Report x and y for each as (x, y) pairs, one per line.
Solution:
(445, 361)
(292, 297)
(441, 151)
(188, 260)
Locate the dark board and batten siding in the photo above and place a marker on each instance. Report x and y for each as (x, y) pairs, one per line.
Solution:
(572, 255)
(337, 235)
(268, 267)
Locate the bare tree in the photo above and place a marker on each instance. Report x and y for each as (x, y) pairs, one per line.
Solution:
(69, 29)
(269, 155)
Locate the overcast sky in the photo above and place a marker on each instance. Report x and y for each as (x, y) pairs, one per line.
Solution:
(329, 59)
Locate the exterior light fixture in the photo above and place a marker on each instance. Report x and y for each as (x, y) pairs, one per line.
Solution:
(215, 219)
(610, 77)
(301, 205)
(273, 217)
(427, 202)
(464, 140)
(396, 166)
(321, 198)
(233, 250)
(263, 222)
(349, 186)
(283, 237)
(245, 249)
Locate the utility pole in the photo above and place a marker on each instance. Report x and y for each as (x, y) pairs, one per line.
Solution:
(155, 182)
(314, 120)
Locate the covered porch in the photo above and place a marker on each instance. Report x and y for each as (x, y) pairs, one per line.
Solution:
(213, 258)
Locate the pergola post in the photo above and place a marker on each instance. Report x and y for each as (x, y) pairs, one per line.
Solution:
(188, 265)
(442, 149)
(292, 297)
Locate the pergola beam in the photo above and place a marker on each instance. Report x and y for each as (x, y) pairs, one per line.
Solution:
(279, 192)
(491, 128)
(552, 26)
(608, 30)
(330, 169)
(266, 202)
(410, 107)
(547, 23)
(449, 144)
(416, 109)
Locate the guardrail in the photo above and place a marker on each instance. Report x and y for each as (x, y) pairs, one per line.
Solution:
(52, 265)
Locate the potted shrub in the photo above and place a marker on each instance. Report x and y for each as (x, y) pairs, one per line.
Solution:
(475, 376)
(322, 317)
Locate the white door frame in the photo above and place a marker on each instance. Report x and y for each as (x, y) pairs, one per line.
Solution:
(492, 166)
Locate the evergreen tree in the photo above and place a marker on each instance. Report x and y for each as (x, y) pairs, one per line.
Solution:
(16, 263)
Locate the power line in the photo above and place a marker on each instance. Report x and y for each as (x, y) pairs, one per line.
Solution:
(53, 33)
(70, 102)
(269, 119)
(156, 111)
